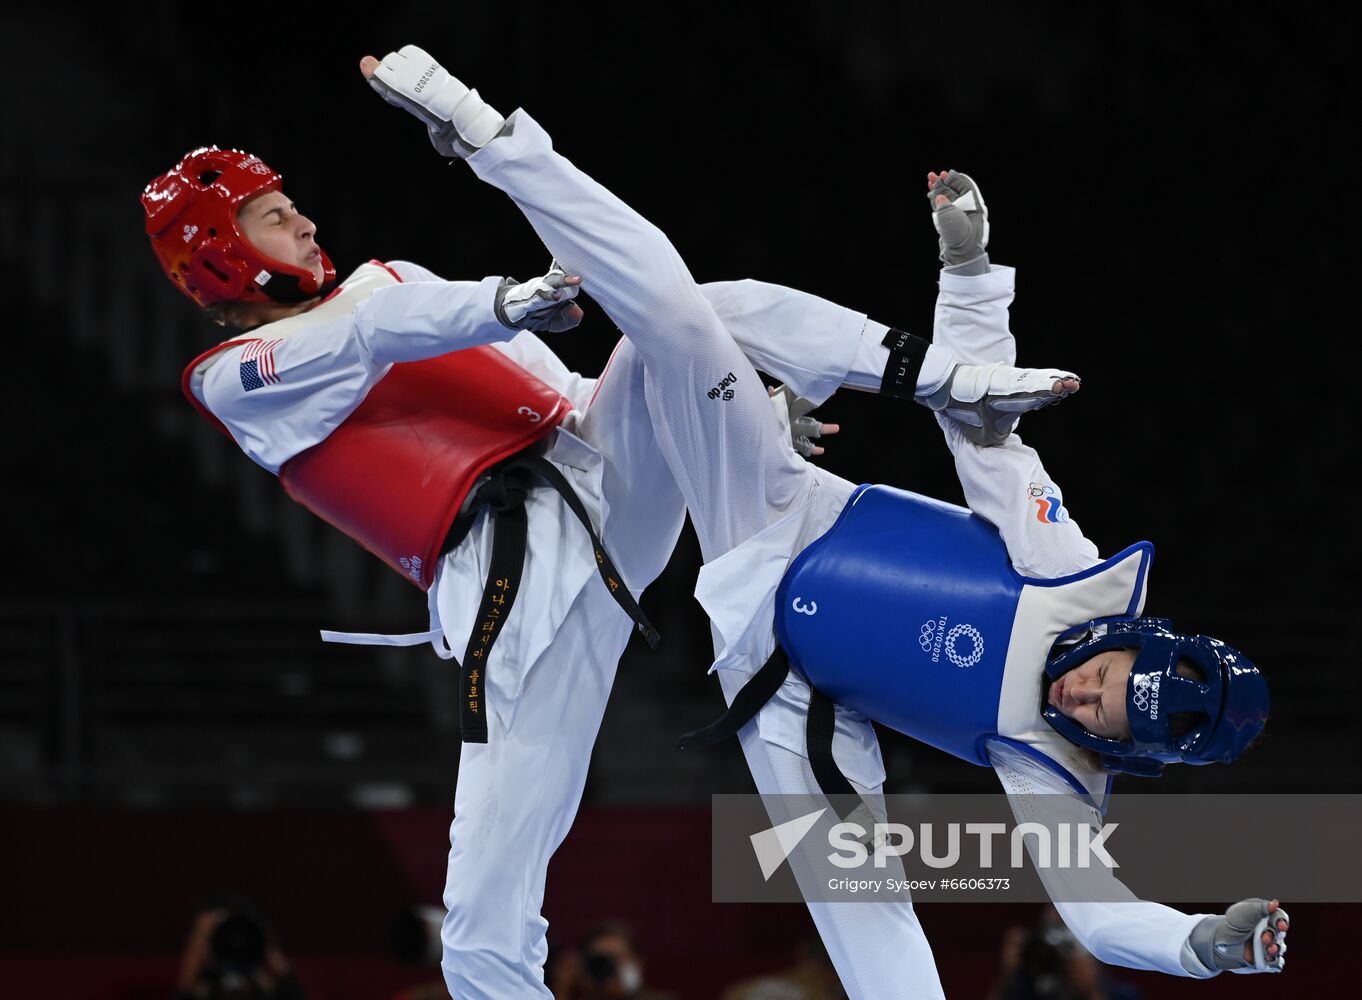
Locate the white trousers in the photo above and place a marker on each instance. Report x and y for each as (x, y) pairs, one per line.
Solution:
(518, 793)
(515, 800)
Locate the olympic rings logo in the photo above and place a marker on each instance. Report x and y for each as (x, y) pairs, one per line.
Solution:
(928, 637)
(968, 632)
(1039, 490)
(1146, 694)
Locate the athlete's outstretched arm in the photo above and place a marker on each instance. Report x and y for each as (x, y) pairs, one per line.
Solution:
(1108, 919)
(323, 364)
(1007, 483)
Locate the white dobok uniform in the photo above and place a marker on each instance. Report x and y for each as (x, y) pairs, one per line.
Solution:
(1001, 484)
(647, 426)
(756, 504)
(550, 672)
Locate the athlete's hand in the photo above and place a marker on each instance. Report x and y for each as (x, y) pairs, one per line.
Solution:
(959, 215)
(793, 413)
(1250, 937)
(543, 305)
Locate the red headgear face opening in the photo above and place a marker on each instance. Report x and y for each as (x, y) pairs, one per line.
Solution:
(191, 220)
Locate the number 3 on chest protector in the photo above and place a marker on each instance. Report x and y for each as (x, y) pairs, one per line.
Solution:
(525, 411)
(804, 609)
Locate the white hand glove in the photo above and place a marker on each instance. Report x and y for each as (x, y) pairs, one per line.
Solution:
(1219, 941)
(459, 121)
(987, 400)
(792, 413)
(543, 305)
(962, 221)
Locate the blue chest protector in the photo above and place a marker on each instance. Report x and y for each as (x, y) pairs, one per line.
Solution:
(909, 611)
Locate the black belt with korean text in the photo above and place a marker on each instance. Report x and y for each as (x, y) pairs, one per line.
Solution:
(505, 494)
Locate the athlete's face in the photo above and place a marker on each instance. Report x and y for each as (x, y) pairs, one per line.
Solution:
(273, 225)
(1094, 695)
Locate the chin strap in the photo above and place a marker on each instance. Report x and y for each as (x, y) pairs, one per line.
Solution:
(285, 289)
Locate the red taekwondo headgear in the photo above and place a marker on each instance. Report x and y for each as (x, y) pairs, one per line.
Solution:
(191, 219)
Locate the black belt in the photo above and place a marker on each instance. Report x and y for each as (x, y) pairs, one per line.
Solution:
(505, 493)
(820, 725)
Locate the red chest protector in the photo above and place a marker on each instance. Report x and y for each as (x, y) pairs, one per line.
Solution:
(394, 474)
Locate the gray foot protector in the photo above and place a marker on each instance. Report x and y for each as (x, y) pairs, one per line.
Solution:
(988, 420)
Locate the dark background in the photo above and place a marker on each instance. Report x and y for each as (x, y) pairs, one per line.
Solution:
(1172, 187)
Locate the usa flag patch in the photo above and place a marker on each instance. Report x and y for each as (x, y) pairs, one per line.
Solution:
(257, 364)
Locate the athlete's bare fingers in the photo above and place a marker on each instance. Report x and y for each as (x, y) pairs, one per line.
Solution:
(367, 65)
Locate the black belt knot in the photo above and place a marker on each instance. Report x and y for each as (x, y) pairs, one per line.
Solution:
(504, 492)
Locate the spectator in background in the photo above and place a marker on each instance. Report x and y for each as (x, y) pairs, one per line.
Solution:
(1045, 962)
(812, 977)
(608, 966)
(232, 954)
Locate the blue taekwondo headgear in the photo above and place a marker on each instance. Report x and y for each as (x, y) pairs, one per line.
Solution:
(1232, 701)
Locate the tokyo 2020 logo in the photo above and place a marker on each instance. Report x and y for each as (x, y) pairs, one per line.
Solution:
(975, 652)
(963, 644)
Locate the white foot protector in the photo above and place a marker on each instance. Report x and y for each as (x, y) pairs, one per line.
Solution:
(459, 121)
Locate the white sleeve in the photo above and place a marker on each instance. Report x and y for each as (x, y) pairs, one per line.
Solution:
(1005, 484)
(524, 348)
(804, 341)
(422, 319)
(971, 317)
(812, 345)
(312, 382)
(1008, 486)
(408, 271)
(1111, 922)
(308, 382)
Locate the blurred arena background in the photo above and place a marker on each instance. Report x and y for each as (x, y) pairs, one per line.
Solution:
(1170, 185)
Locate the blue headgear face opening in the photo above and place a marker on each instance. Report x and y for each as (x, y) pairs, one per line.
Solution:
(1231, 702)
